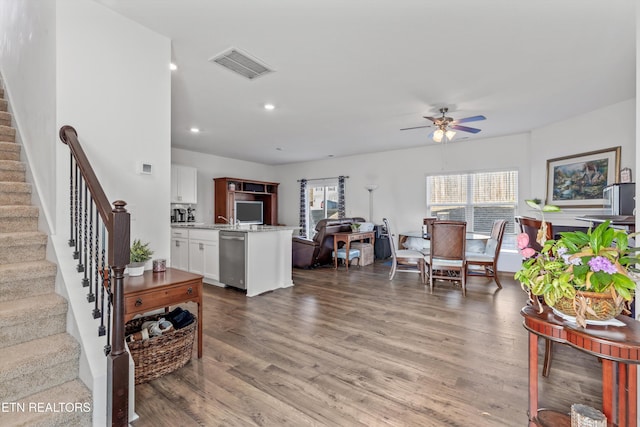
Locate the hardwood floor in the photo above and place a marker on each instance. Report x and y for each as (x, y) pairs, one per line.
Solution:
(355, 349)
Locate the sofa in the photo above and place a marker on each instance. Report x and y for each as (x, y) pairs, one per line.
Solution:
(317, 251)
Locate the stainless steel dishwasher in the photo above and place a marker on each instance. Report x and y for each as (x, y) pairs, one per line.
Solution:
(233, 259)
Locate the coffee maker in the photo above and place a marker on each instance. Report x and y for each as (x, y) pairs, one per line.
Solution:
(179, 215)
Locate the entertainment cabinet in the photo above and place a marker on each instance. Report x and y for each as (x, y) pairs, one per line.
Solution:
(228, 190)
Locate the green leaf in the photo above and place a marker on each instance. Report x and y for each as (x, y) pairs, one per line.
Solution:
(550, 208)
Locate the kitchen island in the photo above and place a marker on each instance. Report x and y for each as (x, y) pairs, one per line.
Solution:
(256, 258)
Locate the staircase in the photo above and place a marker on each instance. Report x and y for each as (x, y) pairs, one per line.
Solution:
(39, 359)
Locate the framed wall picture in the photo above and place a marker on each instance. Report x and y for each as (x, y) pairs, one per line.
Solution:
(625, 175)
(577, 181)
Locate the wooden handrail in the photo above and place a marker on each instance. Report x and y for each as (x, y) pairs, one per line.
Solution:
(69, 136)
(116, 220)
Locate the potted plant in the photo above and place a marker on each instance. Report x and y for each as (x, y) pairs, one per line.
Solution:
(590, 276)
(140, 254)
(355, 227)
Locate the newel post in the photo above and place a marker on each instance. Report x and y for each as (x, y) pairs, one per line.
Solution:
(118, 359)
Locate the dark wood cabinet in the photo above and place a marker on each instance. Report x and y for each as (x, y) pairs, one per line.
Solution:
(228, 190)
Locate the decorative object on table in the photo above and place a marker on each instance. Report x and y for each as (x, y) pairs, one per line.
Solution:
(162, 354)
(586, 416)
(159, 265)
(355, 227)
(591, 274)
(625, 175)
(577, 181)
(140, 254)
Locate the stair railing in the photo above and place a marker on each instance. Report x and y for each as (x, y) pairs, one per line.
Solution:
(99, 235)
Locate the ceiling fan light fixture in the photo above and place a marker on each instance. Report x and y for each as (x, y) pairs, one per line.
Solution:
(438, 135)
(450, 134)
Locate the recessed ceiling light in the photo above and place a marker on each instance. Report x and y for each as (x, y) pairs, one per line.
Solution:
(269, 106)
(194, 130)
(173, 67)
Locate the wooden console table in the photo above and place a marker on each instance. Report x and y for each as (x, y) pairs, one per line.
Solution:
(152, 291)
(347, 238)
(617, 346)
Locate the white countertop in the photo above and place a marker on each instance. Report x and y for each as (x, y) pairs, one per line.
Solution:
(242, 228)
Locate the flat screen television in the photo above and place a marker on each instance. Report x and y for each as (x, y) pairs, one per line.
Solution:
(249, 212)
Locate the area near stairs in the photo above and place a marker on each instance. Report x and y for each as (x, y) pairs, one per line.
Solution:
(39, 383)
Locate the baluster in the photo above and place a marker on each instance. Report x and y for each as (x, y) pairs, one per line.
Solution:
(76, 254)
(80, 267)
(96, 267)
(107, 347)
(91, 297)
(103, 273)
(72, 241)
(86, 241)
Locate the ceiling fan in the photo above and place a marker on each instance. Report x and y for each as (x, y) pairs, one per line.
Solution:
(445, 126)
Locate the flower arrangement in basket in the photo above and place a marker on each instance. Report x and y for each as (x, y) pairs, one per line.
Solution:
(591, 275)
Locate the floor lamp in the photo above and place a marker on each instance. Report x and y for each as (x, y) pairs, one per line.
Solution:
(370, 188)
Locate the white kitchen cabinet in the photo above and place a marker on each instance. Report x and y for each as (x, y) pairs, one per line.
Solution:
(180, 249)
(184, 184)
(203, 254)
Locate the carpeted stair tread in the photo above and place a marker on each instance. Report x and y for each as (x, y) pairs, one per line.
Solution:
(31, 318)
(7, 133)
(37, 365)
(18, 218)
(5, 118)
(22, 246)
(4, 105)
(36, 276)
(9, 151)
(12, 165)
(70, 392)
(15, 193)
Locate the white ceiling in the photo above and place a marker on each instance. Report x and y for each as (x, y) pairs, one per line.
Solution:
(351, 73)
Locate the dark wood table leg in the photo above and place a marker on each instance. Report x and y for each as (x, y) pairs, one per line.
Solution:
(632, 394)
(608, 390)
(533, 379)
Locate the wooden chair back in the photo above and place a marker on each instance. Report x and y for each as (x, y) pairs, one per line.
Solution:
(530, 226)
(448, 240)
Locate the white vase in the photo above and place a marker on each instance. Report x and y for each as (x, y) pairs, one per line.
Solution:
(135, 268)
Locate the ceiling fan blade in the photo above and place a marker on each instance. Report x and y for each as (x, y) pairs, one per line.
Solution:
(464, 128)
(433, 119)
(416, 127)
(470, 119)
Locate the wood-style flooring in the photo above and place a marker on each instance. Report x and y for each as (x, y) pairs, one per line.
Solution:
(355, 349)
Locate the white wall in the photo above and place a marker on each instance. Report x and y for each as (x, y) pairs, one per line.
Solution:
(28, 62)
(210, 167)
(400, 176)
(606, 127)
(114, 88)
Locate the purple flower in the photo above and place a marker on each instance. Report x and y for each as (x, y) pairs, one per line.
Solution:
(601, 263)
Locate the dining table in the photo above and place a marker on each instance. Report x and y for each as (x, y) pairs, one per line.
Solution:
(417, 240)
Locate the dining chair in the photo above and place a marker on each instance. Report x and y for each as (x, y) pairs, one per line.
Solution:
(531, 226)
(447, 254)
(428, 225)
(486, 262)
(404, 259)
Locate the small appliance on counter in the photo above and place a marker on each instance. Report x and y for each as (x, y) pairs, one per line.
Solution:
(619, 199)
(190, 214)
(179, 215)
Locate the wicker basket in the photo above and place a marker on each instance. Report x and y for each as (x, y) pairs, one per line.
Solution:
(158, 356)
(602, 304)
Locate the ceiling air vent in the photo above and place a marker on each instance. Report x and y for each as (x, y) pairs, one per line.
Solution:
(241, 63)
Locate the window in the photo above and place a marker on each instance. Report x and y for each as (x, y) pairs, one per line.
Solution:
(478, 198)
(322, 200)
